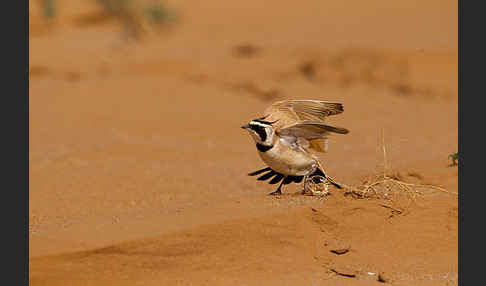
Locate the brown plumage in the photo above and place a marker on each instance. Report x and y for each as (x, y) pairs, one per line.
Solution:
(286, 135)
(290, 112)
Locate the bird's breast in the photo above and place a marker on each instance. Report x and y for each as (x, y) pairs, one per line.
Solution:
(288, 161)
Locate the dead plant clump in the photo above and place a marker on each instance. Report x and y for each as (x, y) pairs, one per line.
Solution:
(389, 185)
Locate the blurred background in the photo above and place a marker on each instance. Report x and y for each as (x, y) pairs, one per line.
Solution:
(136, 105)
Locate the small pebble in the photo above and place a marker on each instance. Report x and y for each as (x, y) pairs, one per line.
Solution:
(340, 251)
(383, 278)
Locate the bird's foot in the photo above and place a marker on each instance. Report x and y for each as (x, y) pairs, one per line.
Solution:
(316, 186)
(276, 193)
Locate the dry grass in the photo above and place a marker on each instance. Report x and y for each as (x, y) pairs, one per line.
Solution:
(388, 184)
(319, 187)
(386, 187)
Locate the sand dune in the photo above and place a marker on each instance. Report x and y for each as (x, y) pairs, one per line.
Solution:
(138, 165)
(291, 248)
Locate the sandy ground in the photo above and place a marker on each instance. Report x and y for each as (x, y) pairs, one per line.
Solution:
(138, 164)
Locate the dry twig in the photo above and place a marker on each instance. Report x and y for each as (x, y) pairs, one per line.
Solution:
(388, 185)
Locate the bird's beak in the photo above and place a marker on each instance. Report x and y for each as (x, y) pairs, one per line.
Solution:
(245, 126)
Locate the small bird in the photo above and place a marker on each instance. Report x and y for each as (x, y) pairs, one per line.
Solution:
(286, 136)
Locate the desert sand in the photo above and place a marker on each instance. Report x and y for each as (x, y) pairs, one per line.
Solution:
(138, 165)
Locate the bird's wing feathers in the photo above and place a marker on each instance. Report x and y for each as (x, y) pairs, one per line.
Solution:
(304, 119)
(315, 133)
(299, 110)
(318, 145)
(310, 130)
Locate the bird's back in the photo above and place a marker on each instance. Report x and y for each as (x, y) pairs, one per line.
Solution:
(290, 112)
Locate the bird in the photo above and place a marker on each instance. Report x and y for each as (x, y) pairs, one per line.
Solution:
(287, 138)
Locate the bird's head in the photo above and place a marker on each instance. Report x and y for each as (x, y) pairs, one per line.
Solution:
(261, 131)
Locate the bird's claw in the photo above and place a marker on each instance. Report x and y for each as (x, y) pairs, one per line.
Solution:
(276, 193)
(316, 186)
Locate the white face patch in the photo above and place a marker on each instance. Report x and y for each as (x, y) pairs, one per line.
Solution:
(258, 123)
(262, 133)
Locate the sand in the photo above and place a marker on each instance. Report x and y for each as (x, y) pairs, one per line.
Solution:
(138, 165)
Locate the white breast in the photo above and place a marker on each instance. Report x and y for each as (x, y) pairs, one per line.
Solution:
(287, 160)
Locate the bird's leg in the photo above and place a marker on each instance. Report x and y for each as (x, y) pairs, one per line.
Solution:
(329, 179)
(305, 186)
(278, 191)
(332, 182)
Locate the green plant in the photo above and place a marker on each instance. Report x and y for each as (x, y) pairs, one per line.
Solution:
(454, 157)
(114, 6)
(157, 14)
(136, 16)
(49, 8)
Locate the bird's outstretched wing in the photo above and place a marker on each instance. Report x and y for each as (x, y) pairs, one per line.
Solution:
(287, 113)
(319, 145)
(309, 134)
(310, 130)
(296, 110)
